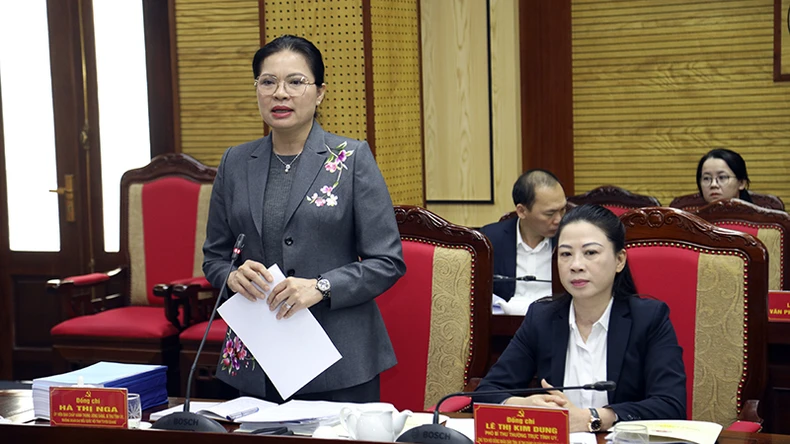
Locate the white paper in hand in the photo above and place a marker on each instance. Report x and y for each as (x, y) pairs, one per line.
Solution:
(291, 351)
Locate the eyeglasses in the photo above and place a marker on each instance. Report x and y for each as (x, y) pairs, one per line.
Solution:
(721, 179)
(294, 85)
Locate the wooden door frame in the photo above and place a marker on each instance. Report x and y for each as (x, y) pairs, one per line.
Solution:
(68, 106)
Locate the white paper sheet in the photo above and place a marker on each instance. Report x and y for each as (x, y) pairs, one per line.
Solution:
(291, 351)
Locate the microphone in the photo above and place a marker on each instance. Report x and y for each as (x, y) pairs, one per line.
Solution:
(526, 278)
(186, 420)
(436, 433)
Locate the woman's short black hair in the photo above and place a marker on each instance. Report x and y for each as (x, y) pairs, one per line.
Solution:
(614, 230)
(296, 44)
(736, 164)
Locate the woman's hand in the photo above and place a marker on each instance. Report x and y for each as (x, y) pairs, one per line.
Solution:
(579, 417)
(241, 280)
(292, 295)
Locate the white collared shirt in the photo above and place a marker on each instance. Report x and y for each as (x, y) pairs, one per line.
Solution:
(535, 262)
(585, 363)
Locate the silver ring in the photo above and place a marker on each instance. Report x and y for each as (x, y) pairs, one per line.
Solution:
(288, 306)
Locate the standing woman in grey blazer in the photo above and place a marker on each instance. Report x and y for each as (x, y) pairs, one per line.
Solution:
(315, 204)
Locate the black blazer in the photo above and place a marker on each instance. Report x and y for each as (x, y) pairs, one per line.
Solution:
(643, 357)
(503, 238)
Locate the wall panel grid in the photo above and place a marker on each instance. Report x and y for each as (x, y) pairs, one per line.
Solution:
(657, 83)
(215, 43)
(396, 90)
(335, 27)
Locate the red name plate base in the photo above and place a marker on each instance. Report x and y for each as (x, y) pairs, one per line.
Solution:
(88, 406)
(507, 424)
(779, 306)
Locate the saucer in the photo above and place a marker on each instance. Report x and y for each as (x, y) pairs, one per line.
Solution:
(143, 425)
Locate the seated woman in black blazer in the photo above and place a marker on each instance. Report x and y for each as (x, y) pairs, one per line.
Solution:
(600, 330)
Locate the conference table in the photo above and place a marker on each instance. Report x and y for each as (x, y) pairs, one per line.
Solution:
(17, 406)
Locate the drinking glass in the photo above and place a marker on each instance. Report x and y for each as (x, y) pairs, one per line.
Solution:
(625, 433)
(135, 410)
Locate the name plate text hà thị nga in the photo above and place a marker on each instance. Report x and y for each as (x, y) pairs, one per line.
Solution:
(88, 406)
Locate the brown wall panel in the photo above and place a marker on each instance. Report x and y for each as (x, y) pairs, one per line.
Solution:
(546, 82)
(215, 43)
(656, 84)
(396, 93)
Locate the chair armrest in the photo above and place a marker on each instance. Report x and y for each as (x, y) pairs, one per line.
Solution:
(472, 384)
(455, 404)
(459, 403)
(196, 296)
(748, 420)
(749, 412)
(79, 295)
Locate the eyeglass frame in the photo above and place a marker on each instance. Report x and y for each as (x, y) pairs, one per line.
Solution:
(303, 81)
(718, 178)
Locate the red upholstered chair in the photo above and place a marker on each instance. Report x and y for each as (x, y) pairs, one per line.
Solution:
(164, 207)
(692, 202)
(714, 281)
(204, 385)
(616, 199)
(772, 227)
(437, 314)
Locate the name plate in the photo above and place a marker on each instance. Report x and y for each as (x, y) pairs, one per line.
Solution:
(508, 424)
(88, 406)
(779, 306)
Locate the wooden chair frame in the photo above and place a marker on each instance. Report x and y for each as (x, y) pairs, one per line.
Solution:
(738, 211)
(418, 224)
(611, 195)
(657, 226)
(693, 202)
(93, 297)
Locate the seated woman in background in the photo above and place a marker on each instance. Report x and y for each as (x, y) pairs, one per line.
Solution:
(599, 330)
(721, 174)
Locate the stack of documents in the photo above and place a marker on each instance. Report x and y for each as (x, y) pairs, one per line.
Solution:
(302, 417)
(234, 410)
(149, 381)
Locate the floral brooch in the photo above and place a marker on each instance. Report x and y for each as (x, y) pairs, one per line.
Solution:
(336, 163)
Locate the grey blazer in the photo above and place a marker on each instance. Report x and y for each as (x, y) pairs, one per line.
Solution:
(355, 243)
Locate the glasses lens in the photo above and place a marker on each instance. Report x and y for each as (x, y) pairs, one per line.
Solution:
(267, 84)
(294, 86)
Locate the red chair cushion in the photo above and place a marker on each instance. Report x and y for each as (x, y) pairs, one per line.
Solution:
(744, 426)
(669, 274)
(195, 332)
(406, 309)
(124, 322)
(170, 207)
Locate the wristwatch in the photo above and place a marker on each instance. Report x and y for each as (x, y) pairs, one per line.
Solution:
(324, 287)
(595, 421)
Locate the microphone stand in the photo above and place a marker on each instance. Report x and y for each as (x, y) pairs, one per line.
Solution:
(436, 433)
(186, 420)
